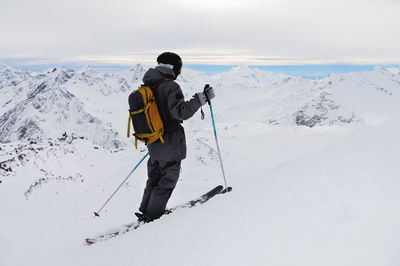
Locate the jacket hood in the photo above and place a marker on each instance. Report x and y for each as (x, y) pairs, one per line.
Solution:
(154, 75)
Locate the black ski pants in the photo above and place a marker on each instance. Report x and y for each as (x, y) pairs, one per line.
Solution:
(162, 179)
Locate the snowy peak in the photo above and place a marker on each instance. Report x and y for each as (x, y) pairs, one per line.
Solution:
(323, 110)
(243, 77)
(48, 112)
(133, 75)
(138, 69)
(371, 95)
(12, 77)
(46, 107)
(6, 68)
(61, 75)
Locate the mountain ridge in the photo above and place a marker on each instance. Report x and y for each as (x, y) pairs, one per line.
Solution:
(243, 93)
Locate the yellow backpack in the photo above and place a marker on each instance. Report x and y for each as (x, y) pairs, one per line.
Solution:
(143, 113)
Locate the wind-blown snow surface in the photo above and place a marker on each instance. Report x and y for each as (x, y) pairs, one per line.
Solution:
(313, 165)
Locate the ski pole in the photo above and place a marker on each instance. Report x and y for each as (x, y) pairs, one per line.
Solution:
(123, 182)
(216, 139)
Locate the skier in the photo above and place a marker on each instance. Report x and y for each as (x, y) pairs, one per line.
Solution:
(165, 159)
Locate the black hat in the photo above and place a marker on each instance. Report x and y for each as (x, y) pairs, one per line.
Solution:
(171, 59)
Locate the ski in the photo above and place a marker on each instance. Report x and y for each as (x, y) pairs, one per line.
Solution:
(135, 225)
(200, 200)
(113, 233)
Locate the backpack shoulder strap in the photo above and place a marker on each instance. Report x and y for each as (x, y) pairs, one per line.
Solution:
(168, 125)
(159, 83)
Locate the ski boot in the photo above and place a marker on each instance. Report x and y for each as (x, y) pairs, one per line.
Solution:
(142, 218)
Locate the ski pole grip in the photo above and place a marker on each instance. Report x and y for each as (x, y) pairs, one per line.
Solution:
(206, 87)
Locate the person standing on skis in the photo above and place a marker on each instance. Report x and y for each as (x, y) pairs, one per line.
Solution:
(165, 159)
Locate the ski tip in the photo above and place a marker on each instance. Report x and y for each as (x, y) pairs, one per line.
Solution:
(217, 189)
(88, 241)
(228, 189)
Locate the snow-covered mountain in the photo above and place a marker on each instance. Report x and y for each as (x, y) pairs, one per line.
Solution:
(313, 165)
(93, 104)
(45, 105)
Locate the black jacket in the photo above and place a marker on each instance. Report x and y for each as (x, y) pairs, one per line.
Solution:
(173, 108)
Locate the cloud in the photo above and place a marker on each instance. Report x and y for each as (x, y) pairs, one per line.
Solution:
(126, 31)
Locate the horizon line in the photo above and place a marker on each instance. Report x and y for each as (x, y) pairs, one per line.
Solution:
(305, 70)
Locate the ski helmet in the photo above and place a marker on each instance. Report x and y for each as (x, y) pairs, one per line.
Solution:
(171, 59)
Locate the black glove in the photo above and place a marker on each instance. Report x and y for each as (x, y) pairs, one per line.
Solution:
(206, 95)
(209, 92)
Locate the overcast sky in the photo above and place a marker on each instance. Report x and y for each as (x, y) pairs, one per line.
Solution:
(230, 32)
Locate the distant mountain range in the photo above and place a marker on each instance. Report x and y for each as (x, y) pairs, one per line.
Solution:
(92, 104)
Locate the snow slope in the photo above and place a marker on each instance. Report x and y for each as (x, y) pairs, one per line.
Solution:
(317, 190)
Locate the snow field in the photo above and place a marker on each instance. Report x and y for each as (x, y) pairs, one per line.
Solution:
(325, 195)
